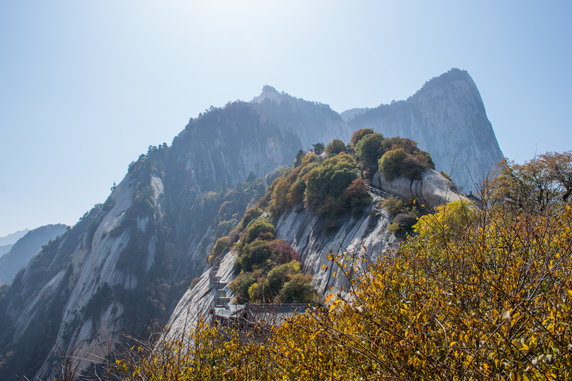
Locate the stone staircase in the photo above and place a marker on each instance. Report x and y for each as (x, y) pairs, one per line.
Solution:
(221, 299)
(378, 192)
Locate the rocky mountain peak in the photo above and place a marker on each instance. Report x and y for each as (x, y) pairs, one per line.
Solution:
(447, 118)
(268, 93)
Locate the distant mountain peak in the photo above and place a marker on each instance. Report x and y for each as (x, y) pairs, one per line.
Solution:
(444, 80)
(268, 93)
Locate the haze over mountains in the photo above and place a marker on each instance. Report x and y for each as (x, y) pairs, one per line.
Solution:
(7, 241)
(124, 267)
(25, 248)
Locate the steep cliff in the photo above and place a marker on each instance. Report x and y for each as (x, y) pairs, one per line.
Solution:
(305, 231)
(365, 237)
(123, 267)
(448, 119)
(313, 122)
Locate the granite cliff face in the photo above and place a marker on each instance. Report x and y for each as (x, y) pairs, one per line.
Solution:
(123, 269)
(304, 231)
(446, 118)
(313, 122)
(366, 237)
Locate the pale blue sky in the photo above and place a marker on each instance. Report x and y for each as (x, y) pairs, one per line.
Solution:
(85, 87)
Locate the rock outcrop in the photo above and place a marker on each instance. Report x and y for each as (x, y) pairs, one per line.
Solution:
(432, 188)
(305, 231)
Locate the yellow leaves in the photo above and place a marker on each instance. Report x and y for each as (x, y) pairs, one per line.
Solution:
(337, 303)
(481, 303)
(523, 346)
(296, 265)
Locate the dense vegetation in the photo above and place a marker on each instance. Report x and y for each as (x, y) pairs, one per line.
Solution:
(392, 156)
(268, 267)
(329, 187)
(480, 292)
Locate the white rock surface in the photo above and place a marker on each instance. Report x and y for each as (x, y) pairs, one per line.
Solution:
(432, 189)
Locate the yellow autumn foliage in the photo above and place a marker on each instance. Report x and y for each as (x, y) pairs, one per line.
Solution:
(477, 294)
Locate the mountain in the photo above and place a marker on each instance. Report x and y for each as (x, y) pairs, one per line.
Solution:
(123, 268)
(446, 118)
(10, 239)
(313, 122)
(4, 249)
(25, 248)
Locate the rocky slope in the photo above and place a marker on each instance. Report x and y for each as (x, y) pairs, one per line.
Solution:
(366, 237)
(446, 118)
(304, 231)
(25, 248)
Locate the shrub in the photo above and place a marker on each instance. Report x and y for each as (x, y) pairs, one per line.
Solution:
(249, 216)
(390, 163)
(445, 175)
(298, 289)
(284, 252)
(393, 205)
(255, 292)
(257, 227)
(266, 236)
(310, 158)
(296, 192)
(413, 166)
(404, 222)
(357, 135)
(221, 245)
(369, 149)
(402, 157)
(279, 275)
(335, 147)
(253, 254)
(329, 180)
(240, 286)
(356, 196)
(408, 145)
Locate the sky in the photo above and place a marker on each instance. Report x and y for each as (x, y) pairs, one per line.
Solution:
(86, 87)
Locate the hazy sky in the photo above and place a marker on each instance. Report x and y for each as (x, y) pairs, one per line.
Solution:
(86, 86)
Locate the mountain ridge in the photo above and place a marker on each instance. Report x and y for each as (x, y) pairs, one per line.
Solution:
(25, 248)
(124, 267)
